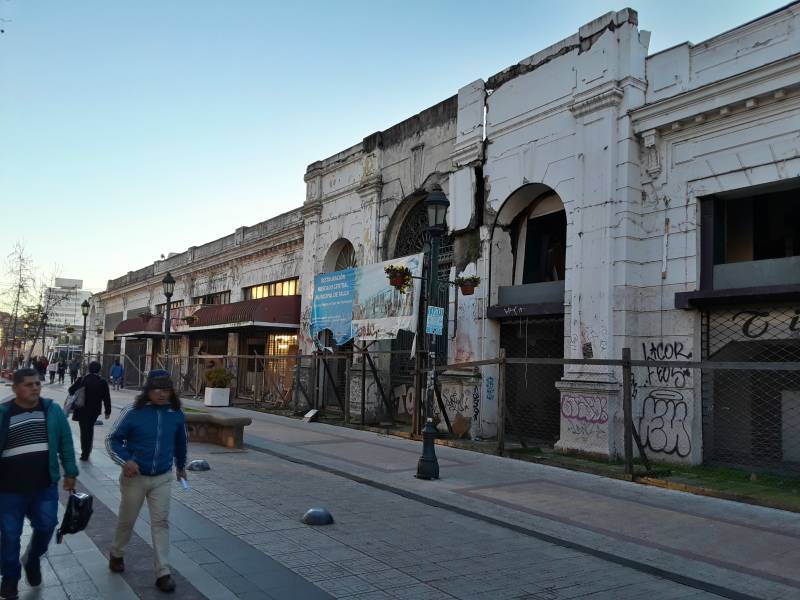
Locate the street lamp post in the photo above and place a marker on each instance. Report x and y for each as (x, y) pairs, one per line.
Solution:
(44, 331)
(436, 204)
(85, 313)
(169, 287)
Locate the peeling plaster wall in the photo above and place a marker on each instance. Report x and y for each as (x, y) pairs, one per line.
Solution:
(362, 194)
(723, 115)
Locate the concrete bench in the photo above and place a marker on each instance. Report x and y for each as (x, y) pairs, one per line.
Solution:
(215, 429)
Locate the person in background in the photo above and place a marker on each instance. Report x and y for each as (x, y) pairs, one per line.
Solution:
(51, 370)
(117, 375)
(41, 367)
(34, 436)
(74, 365)
(96, 395)
(62, 369)
(148, 437)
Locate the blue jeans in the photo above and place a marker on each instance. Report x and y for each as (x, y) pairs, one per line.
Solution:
(42, 510)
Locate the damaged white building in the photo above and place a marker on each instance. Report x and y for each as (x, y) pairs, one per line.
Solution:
(606, 198)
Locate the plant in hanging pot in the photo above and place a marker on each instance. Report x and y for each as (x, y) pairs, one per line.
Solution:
(99, 330)
(69, 329)
(399, 277)
(146, 314)
(189, 319)
(468, 284)
(217, 392)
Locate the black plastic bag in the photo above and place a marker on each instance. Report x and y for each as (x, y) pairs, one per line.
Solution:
(76, 516)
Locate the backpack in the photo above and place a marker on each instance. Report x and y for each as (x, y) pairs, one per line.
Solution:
(76, 516)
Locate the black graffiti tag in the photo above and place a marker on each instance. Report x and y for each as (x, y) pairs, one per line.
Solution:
(661, 351)
(751, 327)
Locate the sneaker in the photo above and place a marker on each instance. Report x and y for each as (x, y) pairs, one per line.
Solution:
(33, 571)
(117, 565)
(8, 589)
(166, 583)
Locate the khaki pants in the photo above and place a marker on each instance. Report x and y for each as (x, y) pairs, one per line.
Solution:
(157, 491)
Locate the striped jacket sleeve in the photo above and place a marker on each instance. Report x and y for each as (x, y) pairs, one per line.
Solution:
(115, 440)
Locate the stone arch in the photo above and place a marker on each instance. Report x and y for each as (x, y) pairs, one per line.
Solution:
(340, 255)
(534, 209)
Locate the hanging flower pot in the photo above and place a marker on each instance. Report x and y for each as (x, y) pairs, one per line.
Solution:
(399, 277)
(69, 329)
(99, 330)
(468, 284)
(189, 319)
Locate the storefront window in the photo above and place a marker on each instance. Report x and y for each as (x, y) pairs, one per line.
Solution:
(281, 344)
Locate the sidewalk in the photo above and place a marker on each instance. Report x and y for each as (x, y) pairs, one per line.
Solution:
(730, 548)
(491, 528)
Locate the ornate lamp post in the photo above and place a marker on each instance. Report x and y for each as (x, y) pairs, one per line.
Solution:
(44, 331)
(85, 313)
(436, 204)
(169, 287)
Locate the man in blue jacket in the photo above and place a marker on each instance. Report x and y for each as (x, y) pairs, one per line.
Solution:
(34, 435)
(147, 438)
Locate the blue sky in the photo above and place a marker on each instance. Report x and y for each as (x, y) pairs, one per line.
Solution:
(131, 129)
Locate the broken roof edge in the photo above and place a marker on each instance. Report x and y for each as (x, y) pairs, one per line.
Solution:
(582, 41)
(745, 25)
(439, 113)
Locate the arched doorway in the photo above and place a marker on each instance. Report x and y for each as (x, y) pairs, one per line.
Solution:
(529, 241)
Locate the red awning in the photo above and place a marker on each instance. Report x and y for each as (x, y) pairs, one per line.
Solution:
(141, 327)
(277, 311)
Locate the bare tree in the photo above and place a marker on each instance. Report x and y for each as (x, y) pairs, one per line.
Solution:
(21, 274)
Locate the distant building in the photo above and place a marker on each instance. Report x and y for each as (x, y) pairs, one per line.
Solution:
(64, 303)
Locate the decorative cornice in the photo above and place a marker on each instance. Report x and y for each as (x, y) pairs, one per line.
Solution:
(370, 187)
(605, 98)
(309, 210)
(769, 83)
(467, 153)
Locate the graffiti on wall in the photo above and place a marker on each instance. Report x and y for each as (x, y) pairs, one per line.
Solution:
(663, 426)
(491, 393)
(585, 416)
(677, 377)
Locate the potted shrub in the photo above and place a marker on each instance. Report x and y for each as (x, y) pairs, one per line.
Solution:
(468, 284)
(217, 391)
(399, 277)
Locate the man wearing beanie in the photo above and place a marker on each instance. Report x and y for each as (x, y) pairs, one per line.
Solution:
(148, 437)
(96, 396)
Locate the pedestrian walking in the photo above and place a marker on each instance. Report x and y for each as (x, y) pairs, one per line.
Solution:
(34, 436)
(62, 369)
(117, 374)
(96, 396)
(41, 366)
(74, 365)
(148, 437)
(51, 371)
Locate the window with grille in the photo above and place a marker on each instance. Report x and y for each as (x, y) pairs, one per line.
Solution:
(218, 298)
(160, 308)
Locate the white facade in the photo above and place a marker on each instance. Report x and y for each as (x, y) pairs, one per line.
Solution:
(625, 143)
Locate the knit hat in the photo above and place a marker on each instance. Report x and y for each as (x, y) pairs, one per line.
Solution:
(158, 379)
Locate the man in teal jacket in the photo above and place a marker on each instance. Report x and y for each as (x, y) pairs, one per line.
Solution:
(34, 435)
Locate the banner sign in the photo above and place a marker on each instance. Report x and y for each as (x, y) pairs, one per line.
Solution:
(435, 320)
(360, 303)
(332, 308)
